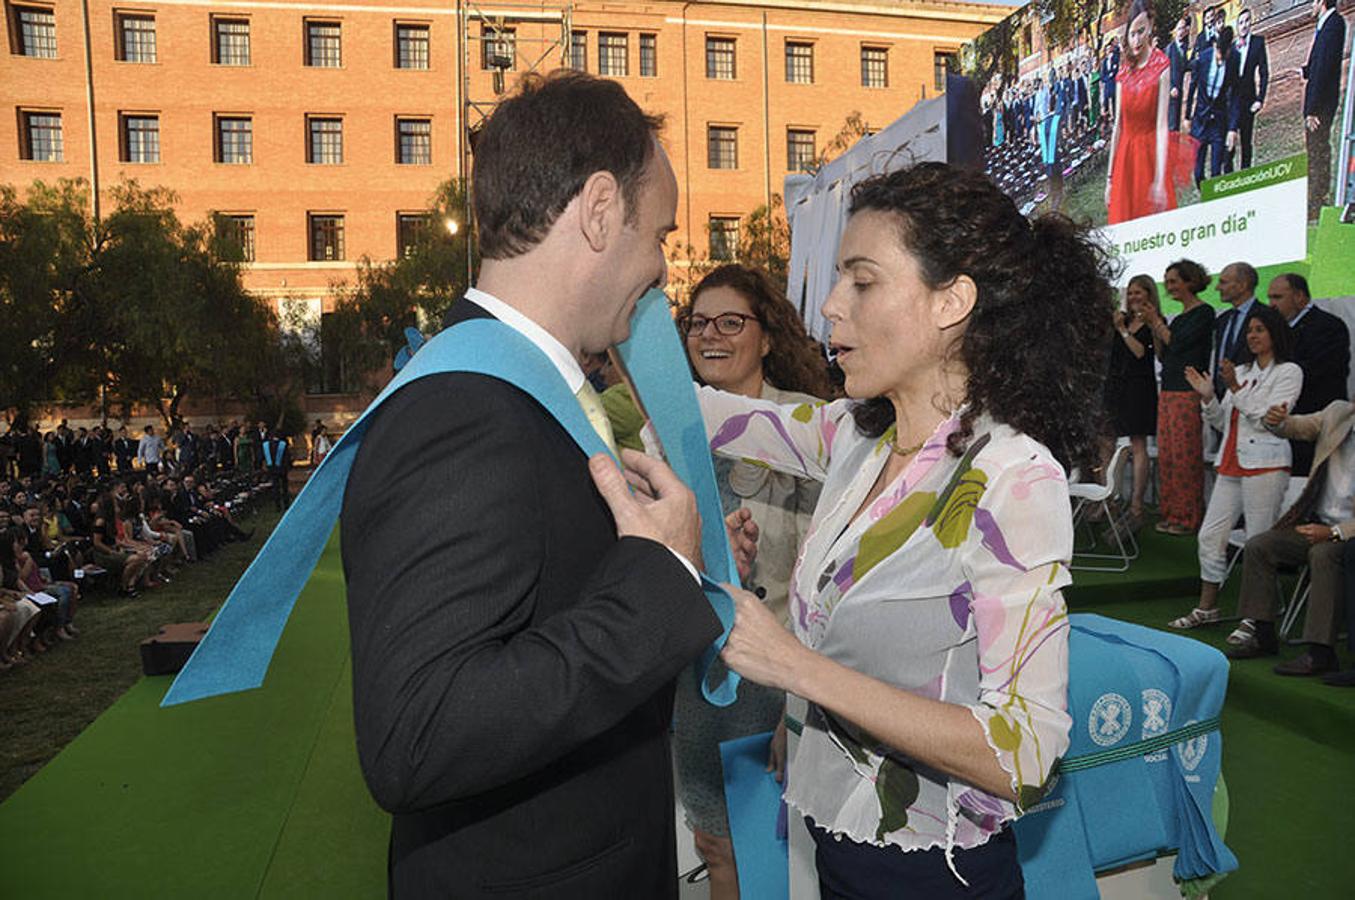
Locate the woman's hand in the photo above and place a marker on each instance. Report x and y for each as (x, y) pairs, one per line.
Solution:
(1228, 372)
(759, 648)
(743, 533)
(1201, 383)
(776, 753)
(1120, 323)
(1107, 190)
(1157, 195)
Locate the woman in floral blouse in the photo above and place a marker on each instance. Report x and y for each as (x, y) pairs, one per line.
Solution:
(932, 634)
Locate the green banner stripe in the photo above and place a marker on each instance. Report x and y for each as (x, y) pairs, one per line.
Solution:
(1139, 748)
(1255, 178)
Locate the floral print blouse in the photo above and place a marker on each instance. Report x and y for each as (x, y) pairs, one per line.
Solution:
(948, 585)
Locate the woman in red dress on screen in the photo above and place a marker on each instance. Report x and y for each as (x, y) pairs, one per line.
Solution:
(1142, 149)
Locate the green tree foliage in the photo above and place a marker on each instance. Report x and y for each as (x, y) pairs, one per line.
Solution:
(136, 308)
(367, 325)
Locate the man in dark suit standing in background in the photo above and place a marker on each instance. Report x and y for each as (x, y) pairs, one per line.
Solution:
(1321, 349)
(1210, 105)
(1321, 95)
(1178, 55)
(1251, 75)
(514, 639)
(1237, 287)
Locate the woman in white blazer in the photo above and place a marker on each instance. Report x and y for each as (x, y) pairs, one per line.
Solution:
(1252, 466)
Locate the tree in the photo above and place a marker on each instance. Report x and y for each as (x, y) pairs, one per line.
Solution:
(366, 326)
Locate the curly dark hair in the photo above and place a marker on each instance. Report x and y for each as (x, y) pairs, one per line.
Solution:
(794, 362)
(1036, 341)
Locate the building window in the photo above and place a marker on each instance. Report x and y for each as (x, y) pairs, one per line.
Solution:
(649, 56)
(942, 63)
(136, 38)
(578, 51)
(724, 238)
(34, 31)
(720, 58)
(326, 237)
(722, 147)
(230, 42)
(40, 139)
(323, 45)
(409, 231)
(238, 230)
(325, 146)
(875, 67)
(234, 139)
(140, 136)
(333, 373)
(498, 48)
(799, 63)
(799, 150)
(411, 46)
(613, 54)
(414, 142)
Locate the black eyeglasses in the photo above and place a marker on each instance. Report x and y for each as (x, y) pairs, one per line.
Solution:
(726, 323)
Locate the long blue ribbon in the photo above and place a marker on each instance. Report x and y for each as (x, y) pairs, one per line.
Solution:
(238, 648)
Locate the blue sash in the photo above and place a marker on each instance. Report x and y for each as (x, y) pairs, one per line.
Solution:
(236, 651)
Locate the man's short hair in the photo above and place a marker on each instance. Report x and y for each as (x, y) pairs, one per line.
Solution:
(1247, 272)
(1297, 283)
(538, 148)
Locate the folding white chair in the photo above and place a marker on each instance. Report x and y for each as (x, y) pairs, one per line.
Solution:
(1089, 496)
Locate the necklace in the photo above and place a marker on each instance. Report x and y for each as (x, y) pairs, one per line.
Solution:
(904, 451)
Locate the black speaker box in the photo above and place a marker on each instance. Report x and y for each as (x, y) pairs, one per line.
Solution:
(167, 652)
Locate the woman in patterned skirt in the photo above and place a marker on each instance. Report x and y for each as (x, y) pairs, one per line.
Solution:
(930, 635)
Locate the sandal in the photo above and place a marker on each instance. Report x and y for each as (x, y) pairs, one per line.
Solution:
(1244, 633)
(1195, 618)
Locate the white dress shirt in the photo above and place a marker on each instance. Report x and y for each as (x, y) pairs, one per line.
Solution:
(1337, 503)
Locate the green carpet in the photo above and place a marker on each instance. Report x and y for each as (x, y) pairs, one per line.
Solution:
(259, 794)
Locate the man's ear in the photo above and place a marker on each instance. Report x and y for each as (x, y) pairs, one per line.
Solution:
(952, 304)
(599, 209)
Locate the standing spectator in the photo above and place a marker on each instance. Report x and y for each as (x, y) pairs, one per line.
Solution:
(1252, 464)
(103, 448)
(190, 449)
(222, 453)
(1178, 55)
(51, 461)
(1131, 384)
(245, 447)
(124, 450)
(85, 452)
(65, 441)
(1321, 94)
(150, 450)
(320, 443)
(261, 433)
(1321, 348)
(277, 461)
(1237, 287)
(1210, 111)
(29, 451)
(1110, 70)
(1180, 445)
(1251, 72)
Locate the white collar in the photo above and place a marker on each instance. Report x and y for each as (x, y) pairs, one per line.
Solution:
(1322, 19)
(1303, 312)
(556, 352)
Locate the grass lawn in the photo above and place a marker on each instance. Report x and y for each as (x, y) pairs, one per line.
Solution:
(45, 704)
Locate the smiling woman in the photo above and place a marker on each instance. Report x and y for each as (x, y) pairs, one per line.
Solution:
(930, 634)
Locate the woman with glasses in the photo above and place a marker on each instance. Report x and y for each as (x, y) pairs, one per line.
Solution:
(744, 337)
(929, 659)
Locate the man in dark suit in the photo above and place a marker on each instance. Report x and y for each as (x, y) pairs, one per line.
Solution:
(1110, 70)
(190, 449)
(1321, 94)
(1321, 348)
(1178, 55)
(515, 640)
(1251, 71)
(124, 449)
(1237, 287)
(1211, 105)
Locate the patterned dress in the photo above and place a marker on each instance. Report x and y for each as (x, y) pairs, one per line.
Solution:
(948, 585)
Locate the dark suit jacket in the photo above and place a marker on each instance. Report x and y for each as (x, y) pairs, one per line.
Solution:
(1322, 350)
(1239, 353)
(1180, 61)
(1205, 113)
(1251, 78)
(1323, 69)
(513, 662)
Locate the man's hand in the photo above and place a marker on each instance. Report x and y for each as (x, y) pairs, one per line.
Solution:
(1276, 415)
(743, 532)
(1315, 534)
(1310, 122)
(1231, 141)
(1256, 106)
(661, 509)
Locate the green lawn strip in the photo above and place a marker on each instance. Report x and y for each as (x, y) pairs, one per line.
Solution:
(46, 704)
(190, 799)
(334, 842)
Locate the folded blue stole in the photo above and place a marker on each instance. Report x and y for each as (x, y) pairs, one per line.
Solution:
(237, 649)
